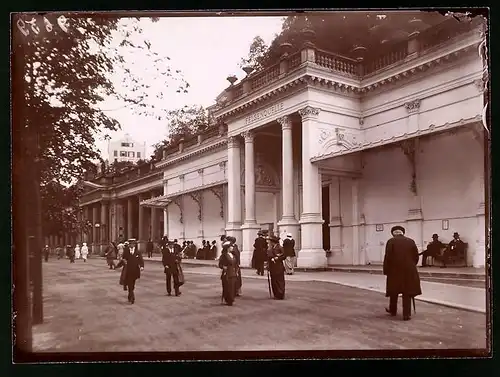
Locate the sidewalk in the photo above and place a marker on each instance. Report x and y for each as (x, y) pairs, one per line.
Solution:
(466, 298)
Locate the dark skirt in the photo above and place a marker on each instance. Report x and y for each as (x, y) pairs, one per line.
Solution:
(123, 276)
(228, 289)
(278, 285)
(237, 280)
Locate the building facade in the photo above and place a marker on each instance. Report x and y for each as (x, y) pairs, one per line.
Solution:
(126, 149)
(333, 149)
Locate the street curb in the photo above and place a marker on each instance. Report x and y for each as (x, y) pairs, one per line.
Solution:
(423, 299)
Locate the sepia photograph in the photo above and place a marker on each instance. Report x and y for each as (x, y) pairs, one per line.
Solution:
(247, 185)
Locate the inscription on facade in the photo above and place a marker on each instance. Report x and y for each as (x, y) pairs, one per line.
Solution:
(264, 113)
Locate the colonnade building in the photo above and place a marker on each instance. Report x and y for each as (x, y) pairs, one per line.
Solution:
(333, 148)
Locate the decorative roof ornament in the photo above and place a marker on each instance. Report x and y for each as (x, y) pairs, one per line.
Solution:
(232, 79)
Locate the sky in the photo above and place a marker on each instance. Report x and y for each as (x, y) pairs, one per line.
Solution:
(205, 49)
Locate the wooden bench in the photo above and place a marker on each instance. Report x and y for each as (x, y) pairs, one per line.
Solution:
(454, 259)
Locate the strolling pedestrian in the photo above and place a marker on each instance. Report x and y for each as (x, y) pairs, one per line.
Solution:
(132, 257)
(400, 267)
(289, 251)
(46, 253)
(149, 248)
(259, 253)
(227, 263)
(77, 252)
(70, 252)
(85, 251)
(171, 261)
(236, 253)
(275, 258)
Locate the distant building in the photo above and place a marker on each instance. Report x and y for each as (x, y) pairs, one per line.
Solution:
(126, 149)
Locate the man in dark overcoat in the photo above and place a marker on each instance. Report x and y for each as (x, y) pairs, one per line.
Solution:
(135, 264)
(170, 260)
(400, 267)
(433, 249)
(149, 248)
(259, 253)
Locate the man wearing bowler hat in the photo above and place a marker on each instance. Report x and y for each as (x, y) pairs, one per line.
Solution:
(433, 249)
(400, 267)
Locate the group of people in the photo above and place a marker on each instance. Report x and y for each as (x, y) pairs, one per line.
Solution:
(72, 253)
(442, 252)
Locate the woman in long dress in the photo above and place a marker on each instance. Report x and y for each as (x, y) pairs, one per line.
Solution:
(275, 258)
(85, 251)
(77, 251)
(227, 263)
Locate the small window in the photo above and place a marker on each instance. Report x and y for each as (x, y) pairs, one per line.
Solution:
(131, 145)
(125, 145)
(115, 153)
(131, 154)
(138, 154)
(123, 154)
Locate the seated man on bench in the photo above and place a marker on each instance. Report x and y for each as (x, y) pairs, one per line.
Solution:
(455, 250)
(433, 250)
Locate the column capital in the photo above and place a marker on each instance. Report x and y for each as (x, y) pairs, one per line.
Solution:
(249, 136)
(286, 122)
(233, 142)
(309, 111)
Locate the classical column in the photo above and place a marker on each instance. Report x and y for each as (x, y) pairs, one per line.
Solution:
(85, 236)
(335, 221)
(478, 255)
(250, 227)
(95, 219)
(311, 254)
(288, 222)
(130, 229)
(141, 235)
(233, 227)
(104, 222)
(153, 215)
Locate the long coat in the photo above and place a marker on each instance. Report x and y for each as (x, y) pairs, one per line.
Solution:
(400, 267)
(134, 264)
(289, 247)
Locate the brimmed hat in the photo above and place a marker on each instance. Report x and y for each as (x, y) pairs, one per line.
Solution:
(273, 239)
(398, 227)
(132, 240)
(435, 235)
(289, 235)
(226, 243)
(456, 234)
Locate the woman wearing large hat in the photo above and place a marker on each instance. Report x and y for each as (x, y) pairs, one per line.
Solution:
(227, 263)
(275, 258)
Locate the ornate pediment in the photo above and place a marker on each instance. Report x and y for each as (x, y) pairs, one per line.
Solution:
(335, 139)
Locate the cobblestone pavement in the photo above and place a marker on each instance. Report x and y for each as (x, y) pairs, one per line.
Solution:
(86, 310)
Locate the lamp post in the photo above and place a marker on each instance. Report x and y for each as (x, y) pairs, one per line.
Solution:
(98, 237)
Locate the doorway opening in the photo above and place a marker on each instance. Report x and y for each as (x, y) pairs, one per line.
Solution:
(325, 210)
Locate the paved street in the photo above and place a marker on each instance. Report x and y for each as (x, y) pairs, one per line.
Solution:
(86, 310)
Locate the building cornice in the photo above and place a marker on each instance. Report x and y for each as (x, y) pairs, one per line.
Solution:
(312, 74)
(221, 142)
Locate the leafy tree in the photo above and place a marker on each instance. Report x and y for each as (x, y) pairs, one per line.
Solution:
(119, 166)
(256, 54)
(60, 210)
(68, 75)
(183, 123)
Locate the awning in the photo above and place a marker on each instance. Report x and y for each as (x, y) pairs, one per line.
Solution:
(157, 202)
(164, 200)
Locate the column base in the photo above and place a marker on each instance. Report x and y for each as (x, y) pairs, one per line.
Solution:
(312, 258)
(311, 254)
(248, 236)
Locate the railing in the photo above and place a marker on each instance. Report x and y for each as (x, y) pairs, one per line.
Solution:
(397, 54)
(294, 60)
(265, 77)
(443, 32)
(336, 62)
